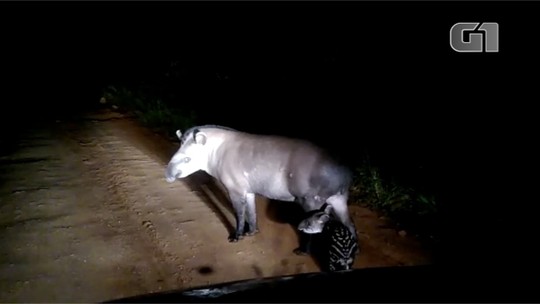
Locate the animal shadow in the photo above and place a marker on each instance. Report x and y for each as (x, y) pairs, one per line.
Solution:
(205, 186)
(285, 212)
(317, 247)
(292, 214)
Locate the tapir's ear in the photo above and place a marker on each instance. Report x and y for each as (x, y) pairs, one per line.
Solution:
(199, 137)
(179, 134)
(324, 218)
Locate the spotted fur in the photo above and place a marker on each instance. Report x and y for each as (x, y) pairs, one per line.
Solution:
(339, 245)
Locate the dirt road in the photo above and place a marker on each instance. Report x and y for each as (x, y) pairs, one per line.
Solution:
(86, 215)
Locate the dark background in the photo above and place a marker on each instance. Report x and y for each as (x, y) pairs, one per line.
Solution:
(380, 75)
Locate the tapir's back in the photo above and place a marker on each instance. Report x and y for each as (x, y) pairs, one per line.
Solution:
(274, 164)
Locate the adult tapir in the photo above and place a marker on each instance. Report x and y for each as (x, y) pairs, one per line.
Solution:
(275, 167)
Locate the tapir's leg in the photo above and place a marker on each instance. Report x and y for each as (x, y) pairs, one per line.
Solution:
(341, 210)
(239, 204)
(251, 214)
(305, 244)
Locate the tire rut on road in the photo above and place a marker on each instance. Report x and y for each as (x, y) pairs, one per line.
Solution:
(61, 243)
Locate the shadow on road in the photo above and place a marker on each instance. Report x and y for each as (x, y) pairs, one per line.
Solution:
(292, 214)
(206, 187)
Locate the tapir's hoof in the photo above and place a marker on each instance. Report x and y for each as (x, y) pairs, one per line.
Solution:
(251, 233)
(235, 238)
(299, 251)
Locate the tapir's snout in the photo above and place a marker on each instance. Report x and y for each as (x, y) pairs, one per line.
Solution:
(171, 174)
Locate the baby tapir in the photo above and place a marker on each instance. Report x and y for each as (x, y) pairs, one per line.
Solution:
(339, 247)
(275, 167)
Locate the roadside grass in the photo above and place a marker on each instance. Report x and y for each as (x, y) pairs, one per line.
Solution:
(405, 207)
(153, 112)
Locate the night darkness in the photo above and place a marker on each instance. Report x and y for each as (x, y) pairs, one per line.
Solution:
(379, 74)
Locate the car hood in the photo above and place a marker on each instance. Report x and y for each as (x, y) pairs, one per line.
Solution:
(397, 284)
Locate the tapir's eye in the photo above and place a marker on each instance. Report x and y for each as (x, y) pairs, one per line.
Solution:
(187, 159)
